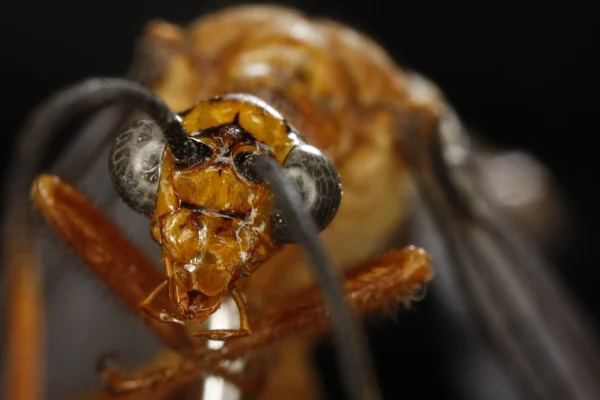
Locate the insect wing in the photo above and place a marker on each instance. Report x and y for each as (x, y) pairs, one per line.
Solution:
(505, 299)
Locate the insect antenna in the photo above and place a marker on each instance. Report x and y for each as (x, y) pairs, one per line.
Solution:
(354, 363)
(80, 155)
(47, 121)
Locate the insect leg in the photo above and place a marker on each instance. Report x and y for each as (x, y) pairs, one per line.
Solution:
(225, 334)
(109, 254)
(373, 286)
(25, 326)
(166, 375)
(170, 373)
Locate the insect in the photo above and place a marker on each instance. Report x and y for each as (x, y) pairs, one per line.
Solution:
(345, 96)
(212, 214)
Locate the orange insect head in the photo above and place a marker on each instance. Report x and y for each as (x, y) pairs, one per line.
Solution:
(212, 221)
(214, 218)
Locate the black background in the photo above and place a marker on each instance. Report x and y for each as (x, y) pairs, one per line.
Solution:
(521, 72)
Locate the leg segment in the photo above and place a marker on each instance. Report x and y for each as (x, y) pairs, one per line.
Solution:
(375, 286)
(126, 271)
(25, 325)
(226, 334)
(379, 284)
(165, 376)
(169, 369)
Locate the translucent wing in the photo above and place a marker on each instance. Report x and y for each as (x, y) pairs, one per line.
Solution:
(83, 321)
(510, 309)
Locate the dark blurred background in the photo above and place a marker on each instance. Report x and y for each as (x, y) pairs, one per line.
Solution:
(521, 72)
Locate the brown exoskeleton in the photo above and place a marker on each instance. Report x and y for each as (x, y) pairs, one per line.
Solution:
(216, 222)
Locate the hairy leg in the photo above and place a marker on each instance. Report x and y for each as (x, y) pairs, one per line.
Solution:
(372, 287)
(124, 269)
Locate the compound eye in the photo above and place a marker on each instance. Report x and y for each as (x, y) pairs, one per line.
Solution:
(319, 184)
(135, 164)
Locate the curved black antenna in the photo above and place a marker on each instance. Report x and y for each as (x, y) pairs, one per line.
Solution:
(352, 360)
(60, 109)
